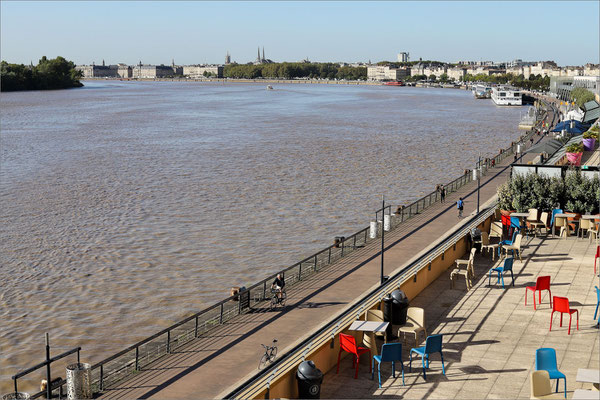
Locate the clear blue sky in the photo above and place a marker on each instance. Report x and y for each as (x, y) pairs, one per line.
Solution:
(202, 32)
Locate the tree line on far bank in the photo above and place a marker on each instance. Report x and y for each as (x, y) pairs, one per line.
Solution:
(286, 70)
(48, 74)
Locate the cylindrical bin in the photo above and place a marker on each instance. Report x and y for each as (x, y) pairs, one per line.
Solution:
(387, 316)
(373, 229)
(79, 381)
(309, 379)
(16, 396)
(399, 307)
(387, 222)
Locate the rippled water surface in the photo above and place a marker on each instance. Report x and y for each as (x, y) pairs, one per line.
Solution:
(125, 206)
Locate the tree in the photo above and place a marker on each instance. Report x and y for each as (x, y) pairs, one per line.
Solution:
(444, 77)
(581, 96)
(56, 73)
(432, 77)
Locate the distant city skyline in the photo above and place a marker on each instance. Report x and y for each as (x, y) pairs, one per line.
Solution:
(204, 32)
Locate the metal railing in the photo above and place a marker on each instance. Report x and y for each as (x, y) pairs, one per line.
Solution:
(262, 380)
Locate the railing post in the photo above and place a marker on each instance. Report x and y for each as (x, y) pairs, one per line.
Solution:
(168, 341)
(300, 272)
(354, 244)
(221, 316)
(137, 357)
(264, 290)
(329, 257)
(365, 236)
(315, 263)
(196, 328)
(101, 377)
(342, 244)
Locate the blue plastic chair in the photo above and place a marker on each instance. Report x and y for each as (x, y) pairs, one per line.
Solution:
(508, 264)
(554, 212)
(433, 344)
(597, 303)
(545, 359)
(507, 242)
(390, 352)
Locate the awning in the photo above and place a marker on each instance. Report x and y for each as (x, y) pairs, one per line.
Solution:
(563, 150)
(549, 147)
(592, 111)
(578, 127)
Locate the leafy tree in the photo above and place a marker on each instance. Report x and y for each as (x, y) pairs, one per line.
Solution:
(432, 77)
(581, 95)
(444, 77)
(56, 73)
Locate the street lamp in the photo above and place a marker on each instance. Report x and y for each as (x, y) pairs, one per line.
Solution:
(382, 236)
(478, 180)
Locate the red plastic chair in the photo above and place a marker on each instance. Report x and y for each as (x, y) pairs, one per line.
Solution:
(542, 283)
(348, 344)
(596, 258)
(561, 304)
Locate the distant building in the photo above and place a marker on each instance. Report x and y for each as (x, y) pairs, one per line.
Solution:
(124, 71)
(262, 60)
(142, 71)
(98, 71)
(456, 73)
(561, 86)
(227, 59)
(403, 57)
(386, 73)
(198, 71)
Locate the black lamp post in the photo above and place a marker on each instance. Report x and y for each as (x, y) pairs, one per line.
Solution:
(382, 235)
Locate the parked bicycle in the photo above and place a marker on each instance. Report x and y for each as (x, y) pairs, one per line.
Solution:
(269, 356)
(278, 298)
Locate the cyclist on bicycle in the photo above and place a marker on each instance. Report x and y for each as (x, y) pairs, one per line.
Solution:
(278, 285)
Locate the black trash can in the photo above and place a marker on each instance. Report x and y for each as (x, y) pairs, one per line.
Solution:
(309, 379)
(387, 316)
(399, 307)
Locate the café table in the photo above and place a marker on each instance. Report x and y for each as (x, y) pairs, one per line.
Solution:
(371, 327)
(589, 375)
(521, 216)
(583, 394)
(565, 215)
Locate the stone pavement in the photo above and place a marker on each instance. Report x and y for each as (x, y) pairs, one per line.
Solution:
(214, 364)
(490, 336)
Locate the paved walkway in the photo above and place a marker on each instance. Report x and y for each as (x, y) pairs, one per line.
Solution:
(212, 365)
(490, 336)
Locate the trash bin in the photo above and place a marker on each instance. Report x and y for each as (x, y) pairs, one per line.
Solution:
(16, 396)
(79, 381)
(387, 316)
(309, 379)
(399, 307)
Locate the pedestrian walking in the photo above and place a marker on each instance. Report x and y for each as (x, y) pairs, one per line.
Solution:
(460, 206)
(442, 192)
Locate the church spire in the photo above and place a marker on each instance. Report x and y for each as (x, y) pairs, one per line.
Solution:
(258, 55)
(263, 58)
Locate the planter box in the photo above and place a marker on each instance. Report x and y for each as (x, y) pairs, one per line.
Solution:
(574, 158)
(589, 144)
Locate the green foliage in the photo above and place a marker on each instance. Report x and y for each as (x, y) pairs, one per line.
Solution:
(432, 77)
(581, 95)
(287, 70)
(592, 133)
(57, 73)
(575, 148)
(535, 82)
(444, 77)
(575, 194)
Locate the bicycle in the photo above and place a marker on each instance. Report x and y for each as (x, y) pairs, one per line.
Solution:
(269, 356)
(276, 299)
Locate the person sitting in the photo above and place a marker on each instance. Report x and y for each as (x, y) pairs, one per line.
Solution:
(278, 285)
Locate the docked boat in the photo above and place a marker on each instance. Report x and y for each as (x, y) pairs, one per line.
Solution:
(398, 83)
(482, 91)
(507, 96)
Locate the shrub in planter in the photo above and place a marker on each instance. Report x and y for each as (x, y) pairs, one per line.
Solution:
(590, 137)
(574, 153)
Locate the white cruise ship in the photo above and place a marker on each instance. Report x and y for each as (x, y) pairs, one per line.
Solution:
(505, 96)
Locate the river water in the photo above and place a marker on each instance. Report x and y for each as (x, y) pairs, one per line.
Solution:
(127, 205)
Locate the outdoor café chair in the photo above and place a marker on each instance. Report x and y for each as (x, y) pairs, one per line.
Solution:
(390, 352)
(508, 264)
(561, 305)
(348, 344)
(515, 246)
(596, 257)
(597, 301)
(507, 242)
(554, 212)
(496, 230)
(469, 273)
(433, 344)
(545, 360)
(594, 230)
(542, 283)
(486, 245)
(377, 316)
(584, 225)
(415, 323)
(542, 223)
(541, 388)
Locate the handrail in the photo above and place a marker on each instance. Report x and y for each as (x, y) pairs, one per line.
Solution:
(290, 359)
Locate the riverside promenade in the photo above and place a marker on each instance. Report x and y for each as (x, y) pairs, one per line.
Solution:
(220, 360)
